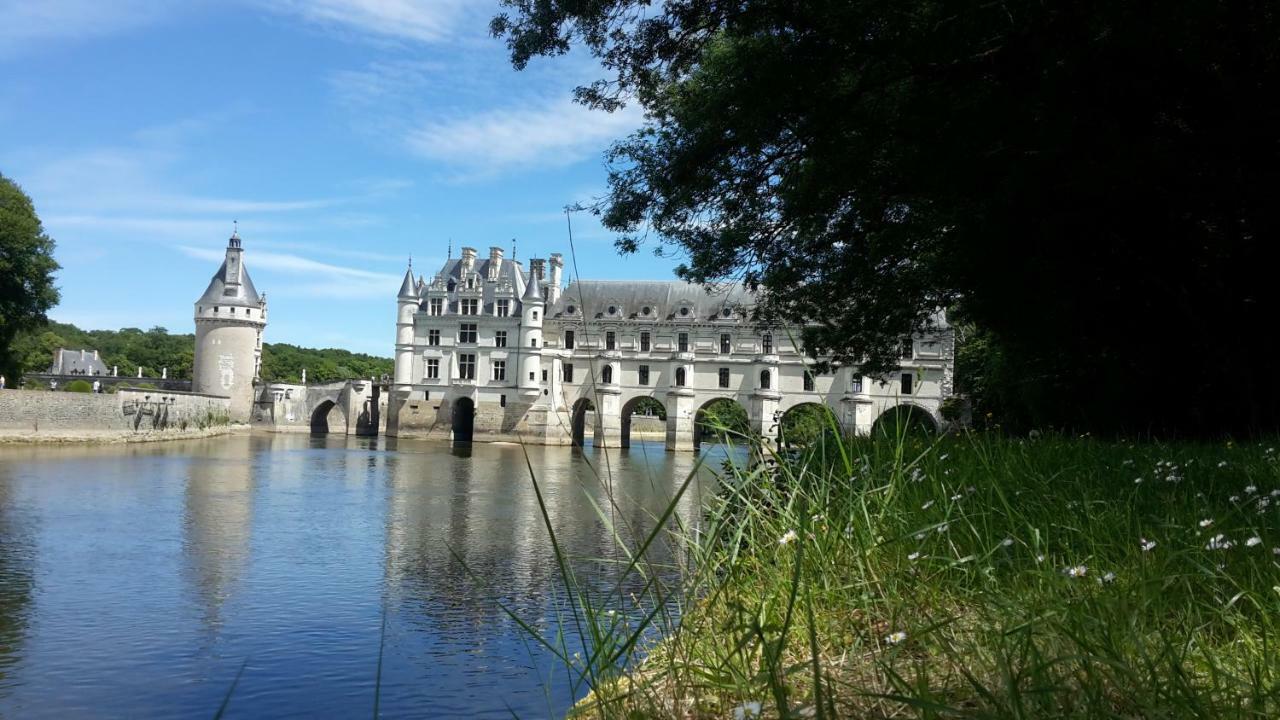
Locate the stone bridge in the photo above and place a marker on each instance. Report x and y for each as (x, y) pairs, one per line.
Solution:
(346, 407)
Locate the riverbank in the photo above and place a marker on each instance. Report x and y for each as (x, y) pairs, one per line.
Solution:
(970, 577)
(64, 437)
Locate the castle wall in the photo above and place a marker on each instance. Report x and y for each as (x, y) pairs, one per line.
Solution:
(126, 414)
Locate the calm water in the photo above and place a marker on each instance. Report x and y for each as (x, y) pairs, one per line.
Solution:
(137, 580)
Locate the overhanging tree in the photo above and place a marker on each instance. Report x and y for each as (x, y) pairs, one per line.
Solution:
(1093, 185)
(26, 271)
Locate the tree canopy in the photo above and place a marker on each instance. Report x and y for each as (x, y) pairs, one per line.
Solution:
(26, 269)
(1091, 186)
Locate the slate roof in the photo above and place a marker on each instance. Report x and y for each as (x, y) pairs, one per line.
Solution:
(243, 295)
(69, 362)
(511, 271)
(592, 298)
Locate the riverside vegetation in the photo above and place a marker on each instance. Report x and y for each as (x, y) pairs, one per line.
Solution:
(964, 576)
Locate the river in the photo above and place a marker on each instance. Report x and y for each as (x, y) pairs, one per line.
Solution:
(137, 580)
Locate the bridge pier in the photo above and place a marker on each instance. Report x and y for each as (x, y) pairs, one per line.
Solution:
(680, 420)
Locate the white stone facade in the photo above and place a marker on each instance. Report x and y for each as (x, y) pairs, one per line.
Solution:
(484, 353)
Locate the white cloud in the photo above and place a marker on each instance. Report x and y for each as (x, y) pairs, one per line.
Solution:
(555, 133)
(321, 279)
(414, 20)
(28, 24)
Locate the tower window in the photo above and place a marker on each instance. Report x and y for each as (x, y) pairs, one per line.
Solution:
(644, 341)
(535, 314)
(502, 401)
(544, 376)
(500, 338)
(855, 384)
(568, 339)
(533, 342)
(765, 379)
(433, 337)
(906, 383)
(682, 342)
(644, 374)
(567, 372)
(606, 374)
(680, 377)
(724, 377)
(906, 349)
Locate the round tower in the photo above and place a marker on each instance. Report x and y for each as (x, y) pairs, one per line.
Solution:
(532, 306)
(406, 306)
(230, 317)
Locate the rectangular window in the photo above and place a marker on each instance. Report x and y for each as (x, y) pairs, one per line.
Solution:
(533, 342)
(500, 338)
(504, 308)
(433, 337)
(568, 339)
(855, 384)
(907, 350)
(610, 340)
(808, 381)
(766, 343)
(725, 344)
(724, 377)
(433, 368)
(502, 401)
(568, 372)
(644, 374)
(467, 333)
(436, 306)
(906, 383)
(682, 342)
(500, 370)
(644, 342)
(544, 376)
(467, 366)
(470, 306)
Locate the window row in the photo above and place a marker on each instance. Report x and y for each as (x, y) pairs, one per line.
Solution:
(682, 342)
(469, 306)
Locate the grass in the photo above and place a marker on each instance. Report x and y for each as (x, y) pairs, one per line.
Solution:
(966, 576)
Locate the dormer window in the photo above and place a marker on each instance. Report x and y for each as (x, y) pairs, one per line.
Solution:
(613, 310)
(646, 311)
(571, 310)
(452, 285)
(684, 312)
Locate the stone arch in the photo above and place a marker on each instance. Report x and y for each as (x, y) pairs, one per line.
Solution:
(629, 408)
(578, 423)
(734, 414)
(328, 416)
(463, 419)
(904, 418)
(805, 422)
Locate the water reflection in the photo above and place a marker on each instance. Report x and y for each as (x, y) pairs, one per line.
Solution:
(136, 580)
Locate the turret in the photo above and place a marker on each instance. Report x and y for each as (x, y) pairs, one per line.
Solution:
(230, 318)
(531, 311)
(406, 306)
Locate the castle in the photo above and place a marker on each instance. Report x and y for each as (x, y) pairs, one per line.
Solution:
(230, 317)
(486, 350)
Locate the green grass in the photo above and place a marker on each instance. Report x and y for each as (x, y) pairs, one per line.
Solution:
(967, 576)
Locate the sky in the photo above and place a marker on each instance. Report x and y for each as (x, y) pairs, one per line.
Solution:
(344, 136)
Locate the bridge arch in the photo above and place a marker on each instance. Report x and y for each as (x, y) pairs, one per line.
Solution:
(805, 422)
(720, 415)
(328, 416)
(640, 403)
(578, 421)
(463, 419)
(904, 419)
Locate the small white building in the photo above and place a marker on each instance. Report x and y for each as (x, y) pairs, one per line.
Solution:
(486, 350)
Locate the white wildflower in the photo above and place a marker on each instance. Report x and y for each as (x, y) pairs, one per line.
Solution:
(788, 537)
(913, 556)
(956, 497)
(1137, 481)
(1275, 493)
(1219, 542)
(1234, 499)
(1250, 489)
(1077, 571)
(920, 536)
(746, 711)
(944, 527)
(1110, 577)
(1253, 541)
(1222, 463)
(928, 504)
(1146, 545)
(895, 638)
(1039, 558)
(943, 456)
(1206, 522)
(1006, 542)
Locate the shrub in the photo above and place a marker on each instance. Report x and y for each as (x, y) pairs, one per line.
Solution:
(78, 386)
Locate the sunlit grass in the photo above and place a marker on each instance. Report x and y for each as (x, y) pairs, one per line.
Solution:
(965, 576)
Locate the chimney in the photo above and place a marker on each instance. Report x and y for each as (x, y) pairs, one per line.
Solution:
(495, 262)
(81, 354)
(553, 284)
(95, 354)
(537, 268)
(468, 260)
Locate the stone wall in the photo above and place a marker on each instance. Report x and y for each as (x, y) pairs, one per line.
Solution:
(35, 415)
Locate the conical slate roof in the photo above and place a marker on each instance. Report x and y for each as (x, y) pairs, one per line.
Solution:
(532, 291)
(408, 288)
(220, 293)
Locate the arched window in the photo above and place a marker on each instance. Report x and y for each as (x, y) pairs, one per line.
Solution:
(606, 374)
(764, 379)
(680, 377)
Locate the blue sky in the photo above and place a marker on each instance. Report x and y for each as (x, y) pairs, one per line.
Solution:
(343, 135)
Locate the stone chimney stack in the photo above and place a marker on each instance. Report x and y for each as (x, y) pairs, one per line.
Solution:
(538, 269)
(553, 283)
(95, 354)
(495, 262)
(468, 261)
(82, 354)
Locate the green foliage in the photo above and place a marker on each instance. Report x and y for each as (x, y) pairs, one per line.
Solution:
(967, 576)
(157, 348)
(78, 386)
(805, 424)
(650, 406)
(722, 418)
(1086, 183)
(26, 271)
